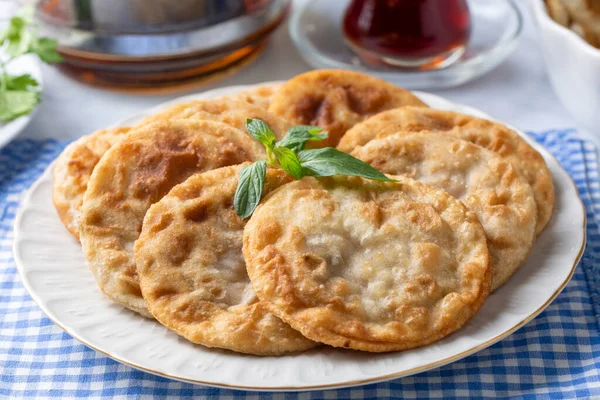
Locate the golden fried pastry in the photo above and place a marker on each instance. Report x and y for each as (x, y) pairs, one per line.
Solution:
(76, 163)
(260, 96)
(192, 272)
(336, 100)
(73, 169)
(234, 113)
(374, 266)
(493, 136)
(489, 186)
(558, 12)
(136, 173)
(585, 19)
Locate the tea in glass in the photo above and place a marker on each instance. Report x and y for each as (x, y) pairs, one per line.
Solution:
(423, 34)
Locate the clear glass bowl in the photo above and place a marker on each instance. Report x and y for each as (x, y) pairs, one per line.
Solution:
(316, 30)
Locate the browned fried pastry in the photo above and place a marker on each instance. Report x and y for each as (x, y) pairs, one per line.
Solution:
(367, 265)
(134, 174)
(73, 169)
(231, 112)
(581, 16)
(192, 272)
(260, 96)
(493, 136)
(593, 6)
(76, 163)
(586, 14)
(558, 12)
(336, 100)
(483, 181)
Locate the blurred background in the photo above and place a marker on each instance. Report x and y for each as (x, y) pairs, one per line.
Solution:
(122, 56)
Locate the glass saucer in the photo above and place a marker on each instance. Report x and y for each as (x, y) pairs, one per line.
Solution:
(316, 30)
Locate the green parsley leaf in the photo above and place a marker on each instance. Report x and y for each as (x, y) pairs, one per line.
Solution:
(16, 103)
(250, 188)
(296, 137)
(261, 132)
(46, 50)
(19, 93)
(20, 38)
(20, 82)
(288, 161)
(16, 39)
(329, 161)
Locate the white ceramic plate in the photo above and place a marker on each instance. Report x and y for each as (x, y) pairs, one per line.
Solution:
(24, 65)
(53, 270)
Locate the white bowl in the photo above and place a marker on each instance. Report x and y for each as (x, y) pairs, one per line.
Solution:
(574, 68)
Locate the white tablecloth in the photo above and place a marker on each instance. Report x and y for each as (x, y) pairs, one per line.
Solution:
(517, 92)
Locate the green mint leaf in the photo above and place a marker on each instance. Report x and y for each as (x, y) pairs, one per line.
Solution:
(14, 104)
(250, 188)
(20, 82)
(329, 161)
(271, 158)
(261, 132)
(296, 137)
(46, 50)
(288, 161)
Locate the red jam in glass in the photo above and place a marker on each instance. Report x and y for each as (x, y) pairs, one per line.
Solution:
(408, 32)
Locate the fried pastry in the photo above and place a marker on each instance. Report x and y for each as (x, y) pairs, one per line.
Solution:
(76, 163)
(260, 96)
(585, 16)
(374, 266)
(231, 112)
(72, 172)
(192, 272)
(136, 173)
(489, 186)
(493, 136)
(558, 12)
(336, 100)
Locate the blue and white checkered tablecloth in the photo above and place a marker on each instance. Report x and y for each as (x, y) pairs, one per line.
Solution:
(557, 355)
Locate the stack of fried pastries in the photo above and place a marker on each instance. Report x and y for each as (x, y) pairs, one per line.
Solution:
(342, 261)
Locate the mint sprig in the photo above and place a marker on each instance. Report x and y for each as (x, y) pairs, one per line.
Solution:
(288, 161)
(252, 179)
(19, 94)
(329, 161)
(296, 137)
(290, 155)
(261, 132)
